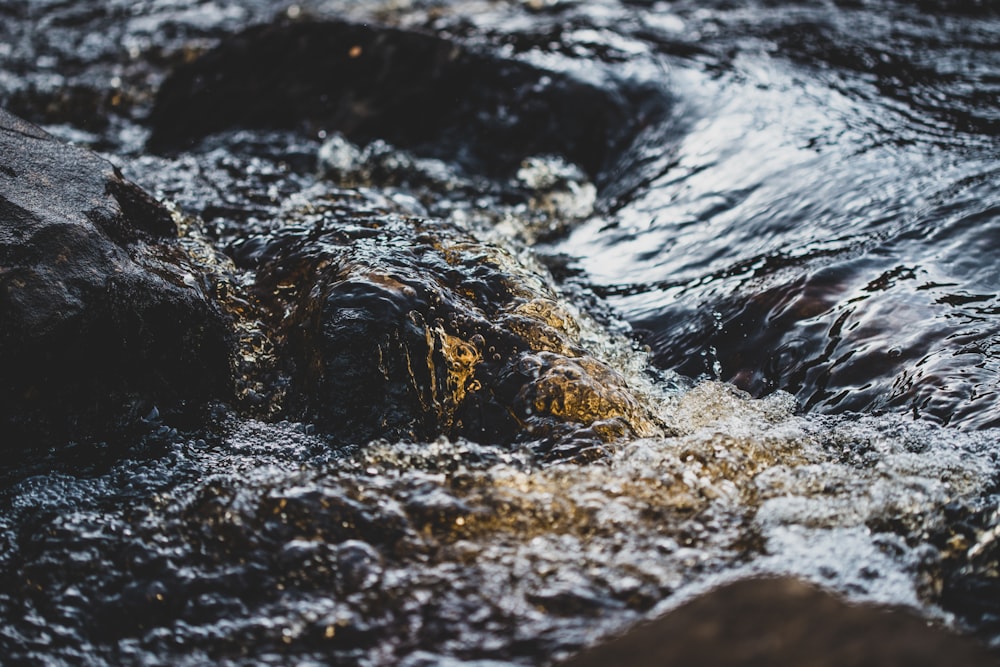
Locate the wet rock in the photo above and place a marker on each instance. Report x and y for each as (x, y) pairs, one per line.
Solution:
(416, 91)
(784, 622)
(395, 326)
(102, 316)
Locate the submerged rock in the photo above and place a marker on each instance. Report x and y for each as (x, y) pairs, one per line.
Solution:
(395, 326)
(784, 622)
(101, 316)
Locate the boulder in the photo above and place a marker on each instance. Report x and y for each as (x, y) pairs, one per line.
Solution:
(103, 315)
(432, 95)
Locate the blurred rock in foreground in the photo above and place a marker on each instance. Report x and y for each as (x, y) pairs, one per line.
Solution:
(779, 622)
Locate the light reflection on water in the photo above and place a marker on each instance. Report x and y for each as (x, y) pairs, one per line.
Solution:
(844, 263)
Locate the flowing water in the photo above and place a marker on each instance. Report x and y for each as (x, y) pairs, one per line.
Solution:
(790, 251)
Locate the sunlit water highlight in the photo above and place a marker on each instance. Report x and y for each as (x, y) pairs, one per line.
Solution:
(262, 542)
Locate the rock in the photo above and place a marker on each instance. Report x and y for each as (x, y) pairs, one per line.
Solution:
(102, 314)
(416, 91)
(783, 621)
(394, 326)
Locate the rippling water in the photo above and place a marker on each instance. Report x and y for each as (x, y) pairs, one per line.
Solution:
(804, 232)
(827, 221)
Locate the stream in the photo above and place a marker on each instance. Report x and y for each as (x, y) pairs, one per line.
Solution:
(776, 223)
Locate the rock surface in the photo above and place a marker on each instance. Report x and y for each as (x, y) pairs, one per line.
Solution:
(778, 622)
(101, 320)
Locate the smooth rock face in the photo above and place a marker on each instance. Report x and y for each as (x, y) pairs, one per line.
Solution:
(100, 318)
(783, 622)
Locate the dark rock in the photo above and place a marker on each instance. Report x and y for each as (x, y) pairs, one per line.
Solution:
(102, 314)
(416, 91)
(777, 622)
